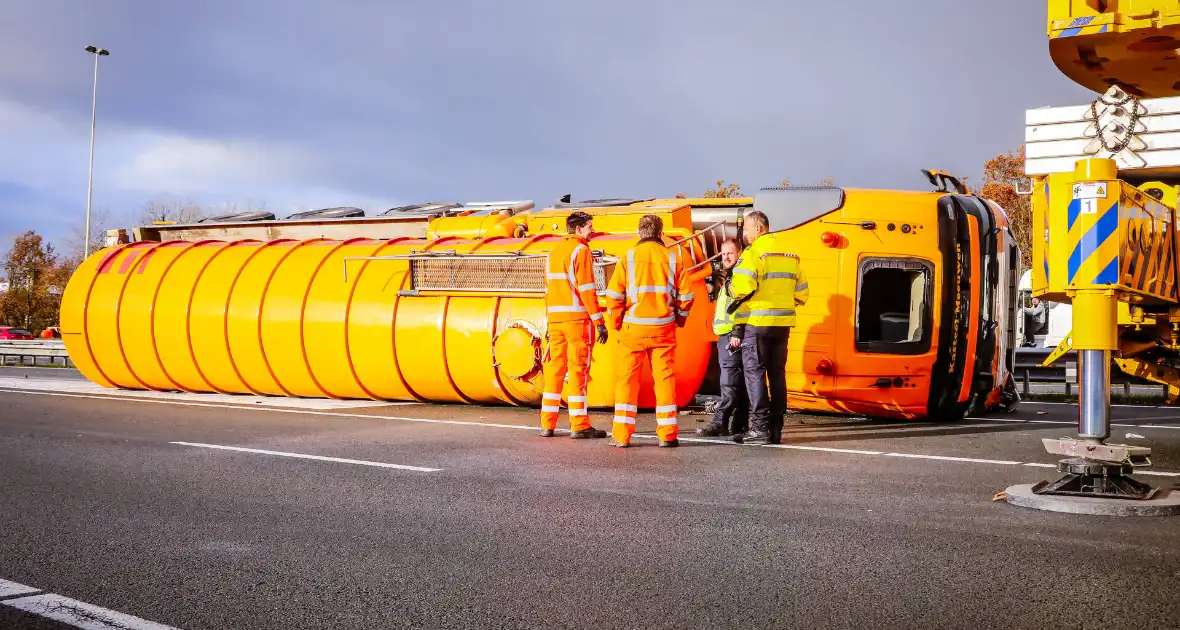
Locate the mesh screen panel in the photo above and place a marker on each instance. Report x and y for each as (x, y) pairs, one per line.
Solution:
(461, 273)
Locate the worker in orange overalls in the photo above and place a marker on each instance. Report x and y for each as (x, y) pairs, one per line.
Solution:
(571, 305)
(649, 297)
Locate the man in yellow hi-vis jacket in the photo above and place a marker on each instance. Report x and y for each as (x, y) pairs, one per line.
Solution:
(768, 283)
(732, 411)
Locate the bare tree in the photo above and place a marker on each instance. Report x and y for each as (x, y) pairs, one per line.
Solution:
(170, 208)
(101, 220)
(232, 207)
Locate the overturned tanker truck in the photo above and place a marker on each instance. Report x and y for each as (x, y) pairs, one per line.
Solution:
(911, 314)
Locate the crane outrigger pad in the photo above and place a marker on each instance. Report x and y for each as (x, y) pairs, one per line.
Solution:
(1165, 503)
(1097, 470)
(1101, 480)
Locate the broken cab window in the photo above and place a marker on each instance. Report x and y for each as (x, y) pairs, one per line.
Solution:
(893, 306)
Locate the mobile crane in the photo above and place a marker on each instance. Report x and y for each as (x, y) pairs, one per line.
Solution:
(1104, 181)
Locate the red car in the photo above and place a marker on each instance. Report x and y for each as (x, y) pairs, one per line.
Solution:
(9, 333)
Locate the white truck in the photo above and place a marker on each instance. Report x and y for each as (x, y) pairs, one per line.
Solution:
(1060, 319)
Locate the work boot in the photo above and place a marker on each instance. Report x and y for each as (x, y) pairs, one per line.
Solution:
(712, 430)
(673, 443)
(618, 444)
(756, 437)
(588, 433)
(546, 432)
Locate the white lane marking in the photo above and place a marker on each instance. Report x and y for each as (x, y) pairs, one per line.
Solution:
(1037, 402)
(9, 589)
(80, 614)
(1040, 465)
(339, 414)
(823, 449)
(359, 462)
(796, 447)
(87, 387)
(1022, 421)
(1064, 422)
(945, 458)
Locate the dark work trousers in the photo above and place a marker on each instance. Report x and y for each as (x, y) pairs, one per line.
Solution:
(734, 407)
(764, 361)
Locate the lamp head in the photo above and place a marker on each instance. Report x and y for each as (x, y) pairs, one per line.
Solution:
(98, 51)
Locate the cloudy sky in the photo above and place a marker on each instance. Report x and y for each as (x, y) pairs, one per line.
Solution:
(300, 104)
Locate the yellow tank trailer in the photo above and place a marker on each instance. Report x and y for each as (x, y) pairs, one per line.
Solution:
(448, 319)
(450, 307)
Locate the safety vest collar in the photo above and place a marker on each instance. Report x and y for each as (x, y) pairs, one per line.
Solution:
(722, 321)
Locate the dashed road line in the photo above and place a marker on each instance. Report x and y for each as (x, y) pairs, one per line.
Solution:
(71, 611)
(371, 417)
(945, 458)
(341, 460)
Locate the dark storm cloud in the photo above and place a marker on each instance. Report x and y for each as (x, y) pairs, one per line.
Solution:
(477, 100)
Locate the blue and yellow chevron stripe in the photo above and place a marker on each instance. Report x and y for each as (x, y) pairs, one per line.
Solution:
(1082, 26)
(1094, 244)
(1048, 205)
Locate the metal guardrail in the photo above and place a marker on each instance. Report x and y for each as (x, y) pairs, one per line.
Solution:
(1028, 364)
(1028, 370)
(52, 351)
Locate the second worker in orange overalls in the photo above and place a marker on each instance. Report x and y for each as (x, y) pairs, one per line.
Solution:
(571, 306)
(649, 297)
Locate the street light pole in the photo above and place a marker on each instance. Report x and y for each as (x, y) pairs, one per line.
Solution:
(97, 52)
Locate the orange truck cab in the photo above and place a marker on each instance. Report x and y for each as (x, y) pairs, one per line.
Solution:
(913, 299)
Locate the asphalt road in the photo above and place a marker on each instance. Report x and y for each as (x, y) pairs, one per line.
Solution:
(850, 525)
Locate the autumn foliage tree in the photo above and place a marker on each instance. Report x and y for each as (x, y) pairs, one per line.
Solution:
(827, 181)
(723, 190)
(1003, 175)
(36, 279)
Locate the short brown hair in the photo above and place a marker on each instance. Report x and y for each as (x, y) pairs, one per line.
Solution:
(758, 218)
(732, 240)
(576, 220)
(651, 226)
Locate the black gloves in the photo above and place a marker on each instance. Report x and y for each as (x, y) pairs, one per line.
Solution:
(602, 333)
